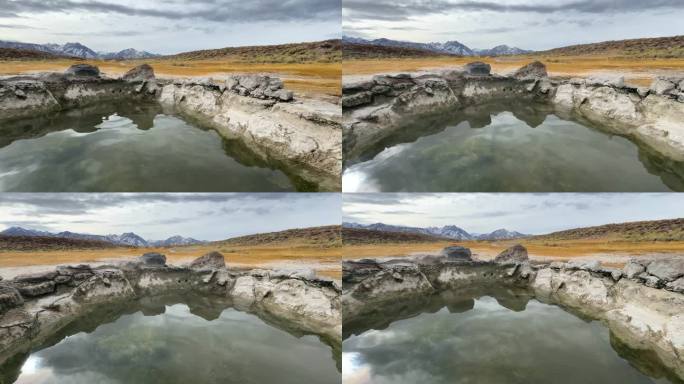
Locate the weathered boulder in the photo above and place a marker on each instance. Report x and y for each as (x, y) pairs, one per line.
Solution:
(514, 254)
(83, 70)
(357, 99)
(557, 265)
(590, 265)
(478, 68)
(305, 273)
(676, 286)
(650, 280)
(36, 289)
(212, 260)
(35, 278)
(257, 86)
(667, 269)
(282, 95)
(153, 258)
(533, 70)
(661, 86)
(9, 298)
(142, 72)
(456, 252)
(632, 269)
(643, 91)
(615, 274)
(616, 81)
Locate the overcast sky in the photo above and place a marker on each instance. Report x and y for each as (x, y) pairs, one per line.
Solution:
(159, 216)
(169, 26)
(523, 212)
(527, 24)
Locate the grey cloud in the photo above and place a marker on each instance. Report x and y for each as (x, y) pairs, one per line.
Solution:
(216, 11)
(485, 30)
(16, 26)
(78, 204)
(400, 212)
(102, 33)
(387, 198)
(406, 9)
(489, 214)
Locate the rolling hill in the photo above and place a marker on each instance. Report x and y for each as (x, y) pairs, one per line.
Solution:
(658, 47)
(327, 51)
(354, 236)
(657, 230)
(46, 243)
(327, 236)
(368, 51)
(27, 54)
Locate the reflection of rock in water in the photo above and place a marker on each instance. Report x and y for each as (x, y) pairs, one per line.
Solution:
(243, 154)
(82, 120)
(472, 152)
(455, 301)
(671, 172)
(380, 293)
(11, 368)
(113, 351)
(644, 360)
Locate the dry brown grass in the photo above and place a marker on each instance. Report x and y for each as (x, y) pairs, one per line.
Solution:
(559, 250)
(326, 260)
(307, 78)
(637, 71)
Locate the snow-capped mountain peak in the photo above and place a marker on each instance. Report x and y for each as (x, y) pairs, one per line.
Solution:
(78, 50)
(448, 231)
(126, 239)
(176, 241)
(19, 231)
(451, 47)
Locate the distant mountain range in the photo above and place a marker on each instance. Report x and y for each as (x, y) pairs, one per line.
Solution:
(78, 50)
(448, 232)
(452, 47)
(129, 239)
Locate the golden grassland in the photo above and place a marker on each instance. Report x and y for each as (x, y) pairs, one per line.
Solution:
(305, 78)
(539, 249)
(326, 260)
(638, 71)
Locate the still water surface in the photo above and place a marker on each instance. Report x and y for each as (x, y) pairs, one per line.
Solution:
(177, 346)
(483, 341)
(514, 150)
(130, 148)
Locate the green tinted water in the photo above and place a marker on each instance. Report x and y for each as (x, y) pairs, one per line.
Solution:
(172, 345)
(518, 149)
(489, 341)
(130, 147)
